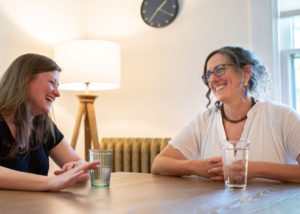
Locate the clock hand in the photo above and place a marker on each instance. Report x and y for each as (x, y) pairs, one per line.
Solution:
(166, 12)
(158, 9)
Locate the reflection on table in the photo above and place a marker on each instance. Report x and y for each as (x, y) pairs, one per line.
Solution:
(147, 193)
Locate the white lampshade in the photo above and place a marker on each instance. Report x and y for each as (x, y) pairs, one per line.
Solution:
(96, 62)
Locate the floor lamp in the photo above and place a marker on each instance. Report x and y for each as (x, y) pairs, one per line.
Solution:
(88, 65)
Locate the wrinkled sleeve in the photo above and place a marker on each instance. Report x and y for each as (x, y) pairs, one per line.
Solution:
(292, 133)
(187, 140)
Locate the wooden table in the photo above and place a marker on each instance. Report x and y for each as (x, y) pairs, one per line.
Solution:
(147, 193)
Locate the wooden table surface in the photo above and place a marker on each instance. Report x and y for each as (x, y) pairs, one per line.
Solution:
(147, 193)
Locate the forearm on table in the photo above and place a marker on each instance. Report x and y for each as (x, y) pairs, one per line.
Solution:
(12, 179)
(169, 166)
(274, 171)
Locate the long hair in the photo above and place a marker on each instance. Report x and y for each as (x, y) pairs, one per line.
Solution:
(258, 82)
(14, 101)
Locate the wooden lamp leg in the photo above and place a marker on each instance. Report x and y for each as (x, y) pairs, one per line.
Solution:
(87, 137)
(81, 110)
(90, 127)
(93, 125)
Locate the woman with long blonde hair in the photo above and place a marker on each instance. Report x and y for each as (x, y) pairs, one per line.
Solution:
(28, 136)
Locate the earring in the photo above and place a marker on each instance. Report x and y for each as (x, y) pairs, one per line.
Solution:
(245, 89)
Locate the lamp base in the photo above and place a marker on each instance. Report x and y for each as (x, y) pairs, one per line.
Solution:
(86, 107)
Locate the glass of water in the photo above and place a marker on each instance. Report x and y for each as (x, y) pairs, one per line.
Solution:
(235, 164)
(101, 177)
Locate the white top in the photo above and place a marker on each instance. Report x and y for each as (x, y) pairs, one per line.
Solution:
(273, 130)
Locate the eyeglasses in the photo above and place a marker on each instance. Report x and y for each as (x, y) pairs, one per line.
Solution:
(218, 71)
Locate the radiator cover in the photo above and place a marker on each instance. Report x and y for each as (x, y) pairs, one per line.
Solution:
(133, 154)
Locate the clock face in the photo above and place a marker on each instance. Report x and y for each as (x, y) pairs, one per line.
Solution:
(159, 13)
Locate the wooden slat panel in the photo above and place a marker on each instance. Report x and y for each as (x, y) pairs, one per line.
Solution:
(164, 143)
(136, 155)
(127, 155)
(154, 149)
(145, 155)
(103, 144)
(118, 156)
(110, 145)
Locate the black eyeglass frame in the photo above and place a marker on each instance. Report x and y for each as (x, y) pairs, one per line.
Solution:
(219, 70)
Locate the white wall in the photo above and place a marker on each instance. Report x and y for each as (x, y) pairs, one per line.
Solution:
(161, 85)
(264, 40)
(161, 68)
(35, 25)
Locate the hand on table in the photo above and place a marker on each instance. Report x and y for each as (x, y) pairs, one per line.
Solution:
(215, 169)
(68, 166)
(69, 176)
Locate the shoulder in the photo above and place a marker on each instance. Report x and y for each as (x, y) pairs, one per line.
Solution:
(203, 118)
(276, 111)
(207, 114)
(275, 107)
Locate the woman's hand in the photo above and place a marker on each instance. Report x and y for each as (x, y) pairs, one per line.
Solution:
(71, 176)
(171, 161)
(215, 169)
(68, 166)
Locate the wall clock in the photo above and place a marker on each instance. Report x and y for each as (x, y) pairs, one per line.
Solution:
(159, 13)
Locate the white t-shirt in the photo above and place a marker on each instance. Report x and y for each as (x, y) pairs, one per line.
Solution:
(273, 130)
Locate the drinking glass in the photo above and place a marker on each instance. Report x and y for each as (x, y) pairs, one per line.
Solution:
(101, 177)
(235, 164)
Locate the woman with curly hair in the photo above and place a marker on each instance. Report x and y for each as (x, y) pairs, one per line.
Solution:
(236, 78)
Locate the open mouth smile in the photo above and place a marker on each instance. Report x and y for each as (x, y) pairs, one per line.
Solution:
(219, 87)
(50, 99)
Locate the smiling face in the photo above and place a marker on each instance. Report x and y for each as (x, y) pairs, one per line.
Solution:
(226, 87)
(42, 91)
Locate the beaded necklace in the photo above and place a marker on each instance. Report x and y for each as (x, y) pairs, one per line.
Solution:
(239, 120)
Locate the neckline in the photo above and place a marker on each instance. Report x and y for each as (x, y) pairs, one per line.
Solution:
(239, 120)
